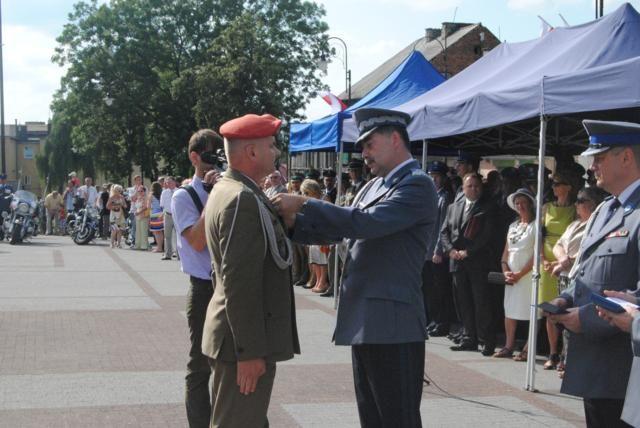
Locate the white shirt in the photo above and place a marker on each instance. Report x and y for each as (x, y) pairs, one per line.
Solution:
(90, 194)
(165, 200)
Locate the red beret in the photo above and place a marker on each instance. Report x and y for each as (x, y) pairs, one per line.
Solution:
(251, 126)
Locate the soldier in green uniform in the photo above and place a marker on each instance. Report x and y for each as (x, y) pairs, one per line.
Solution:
(250, 323)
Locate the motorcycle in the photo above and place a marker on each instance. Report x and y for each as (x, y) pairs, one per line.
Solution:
(5, 207)
(21, 223)
(85, 225)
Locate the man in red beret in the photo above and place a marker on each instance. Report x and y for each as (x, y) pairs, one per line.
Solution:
(250, 323)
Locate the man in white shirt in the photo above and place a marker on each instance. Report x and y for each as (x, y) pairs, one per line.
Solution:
(88, 192)
(169, 230)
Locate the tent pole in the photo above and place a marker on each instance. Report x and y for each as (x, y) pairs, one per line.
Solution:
(533, 315)
(336, 286)
(425, 146)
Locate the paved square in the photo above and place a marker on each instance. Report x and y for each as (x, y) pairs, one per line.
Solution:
(96, 337)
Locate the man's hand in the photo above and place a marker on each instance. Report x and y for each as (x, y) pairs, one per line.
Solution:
(437, 259)
(462, 254)
(248, 374)
(453, 255)
(288, 205)
(622, 320)
(211, 177)
(570, 321)
(629, 297)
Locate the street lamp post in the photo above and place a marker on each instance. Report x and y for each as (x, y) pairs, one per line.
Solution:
(346, 68)
(336, 286)
(2, 144)
(444, 53)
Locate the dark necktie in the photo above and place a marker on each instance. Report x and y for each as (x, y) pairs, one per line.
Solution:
(615, 204)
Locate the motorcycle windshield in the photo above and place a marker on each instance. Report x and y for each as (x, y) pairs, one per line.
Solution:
(25, 196)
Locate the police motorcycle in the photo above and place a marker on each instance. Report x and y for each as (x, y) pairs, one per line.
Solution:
(22, 221)
(85, 225)
(6, 196)
(70, 219)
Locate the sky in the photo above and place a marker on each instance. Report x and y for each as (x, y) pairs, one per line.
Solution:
(373, 30)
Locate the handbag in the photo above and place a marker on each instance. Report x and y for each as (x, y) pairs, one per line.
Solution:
(496, 278)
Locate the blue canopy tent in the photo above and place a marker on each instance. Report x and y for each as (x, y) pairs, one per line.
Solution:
(502, 101)
(413, 77)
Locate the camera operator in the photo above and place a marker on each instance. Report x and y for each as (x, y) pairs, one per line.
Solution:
(187, 206)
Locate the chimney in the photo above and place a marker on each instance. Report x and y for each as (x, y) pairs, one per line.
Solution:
(431, 34)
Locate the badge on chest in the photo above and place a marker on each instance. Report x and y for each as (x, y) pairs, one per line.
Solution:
(620, 233)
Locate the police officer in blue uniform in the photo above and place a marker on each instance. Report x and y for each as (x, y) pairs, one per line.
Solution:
(388, 230)
(599, 355)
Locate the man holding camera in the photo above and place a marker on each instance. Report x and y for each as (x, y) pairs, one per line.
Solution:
(188, 217)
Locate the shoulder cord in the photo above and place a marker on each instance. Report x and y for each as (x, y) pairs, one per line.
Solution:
(268, 234)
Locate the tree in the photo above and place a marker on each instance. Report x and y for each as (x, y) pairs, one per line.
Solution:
(143, 75)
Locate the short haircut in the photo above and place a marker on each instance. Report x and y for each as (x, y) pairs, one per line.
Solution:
(472, 175)
(401, 130)
(204, 139)
(311, 187)
(635, 149)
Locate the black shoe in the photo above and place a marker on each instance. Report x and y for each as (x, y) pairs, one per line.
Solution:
(328, 293)
(308, 286)
(488, 350)
(165, 258)
(465, 346)
(455, 338)
(439, 331)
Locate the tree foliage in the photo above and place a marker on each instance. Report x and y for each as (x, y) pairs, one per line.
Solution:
(143, 75)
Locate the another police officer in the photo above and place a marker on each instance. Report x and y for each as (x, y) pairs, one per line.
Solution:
(599, 355)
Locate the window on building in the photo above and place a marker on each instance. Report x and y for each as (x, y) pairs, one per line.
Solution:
(26, 179)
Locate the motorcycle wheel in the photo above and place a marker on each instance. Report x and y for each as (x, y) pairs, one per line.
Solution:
(15, 236)
(84, 236)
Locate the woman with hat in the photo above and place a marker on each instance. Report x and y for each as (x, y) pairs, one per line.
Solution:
(556, 217)
(517, 262)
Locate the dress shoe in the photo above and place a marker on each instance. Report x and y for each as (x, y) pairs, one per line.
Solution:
(166, 258)
(439, 331)
(465, 346)
(328, 293)
(455, 338)
(488, 350)
(308, 286)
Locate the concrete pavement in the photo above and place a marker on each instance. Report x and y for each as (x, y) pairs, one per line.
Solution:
(96, 337)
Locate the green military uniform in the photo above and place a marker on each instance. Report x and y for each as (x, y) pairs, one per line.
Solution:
(251, 314)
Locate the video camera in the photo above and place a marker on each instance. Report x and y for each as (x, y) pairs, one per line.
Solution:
(217, 159)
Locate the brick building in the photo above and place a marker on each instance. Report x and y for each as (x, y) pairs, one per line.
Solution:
(450, 49)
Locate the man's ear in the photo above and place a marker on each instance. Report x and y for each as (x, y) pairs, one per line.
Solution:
(193, 157)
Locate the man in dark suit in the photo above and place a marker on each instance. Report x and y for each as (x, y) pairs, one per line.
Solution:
(387, 229)
(599, 355)
(330, 191)
(356, 176)
(436, 278)
(465, 235)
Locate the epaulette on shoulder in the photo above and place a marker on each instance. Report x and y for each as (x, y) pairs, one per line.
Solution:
(418, 172)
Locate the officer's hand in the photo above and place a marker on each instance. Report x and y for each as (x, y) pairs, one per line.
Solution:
(570, 321)
(248, 374)
(287, 204)
(453, 255)
(212, 177)
(629, 297)
(437, 259)
(622, 320)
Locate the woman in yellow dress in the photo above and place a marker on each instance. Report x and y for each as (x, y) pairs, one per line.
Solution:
(557, 216)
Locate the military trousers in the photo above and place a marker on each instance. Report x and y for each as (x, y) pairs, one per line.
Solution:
(300, 266)
(197, 399)
(438, 294)
(231, 409)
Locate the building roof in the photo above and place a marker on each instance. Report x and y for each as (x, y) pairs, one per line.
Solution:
(429, 49)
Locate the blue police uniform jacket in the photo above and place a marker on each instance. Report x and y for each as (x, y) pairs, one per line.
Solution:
(388, 230)
(599, 358)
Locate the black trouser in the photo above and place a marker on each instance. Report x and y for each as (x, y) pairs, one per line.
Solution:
(604, 413)
(388, 382)
(474, 302)
(197, 399)
(437, 293)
